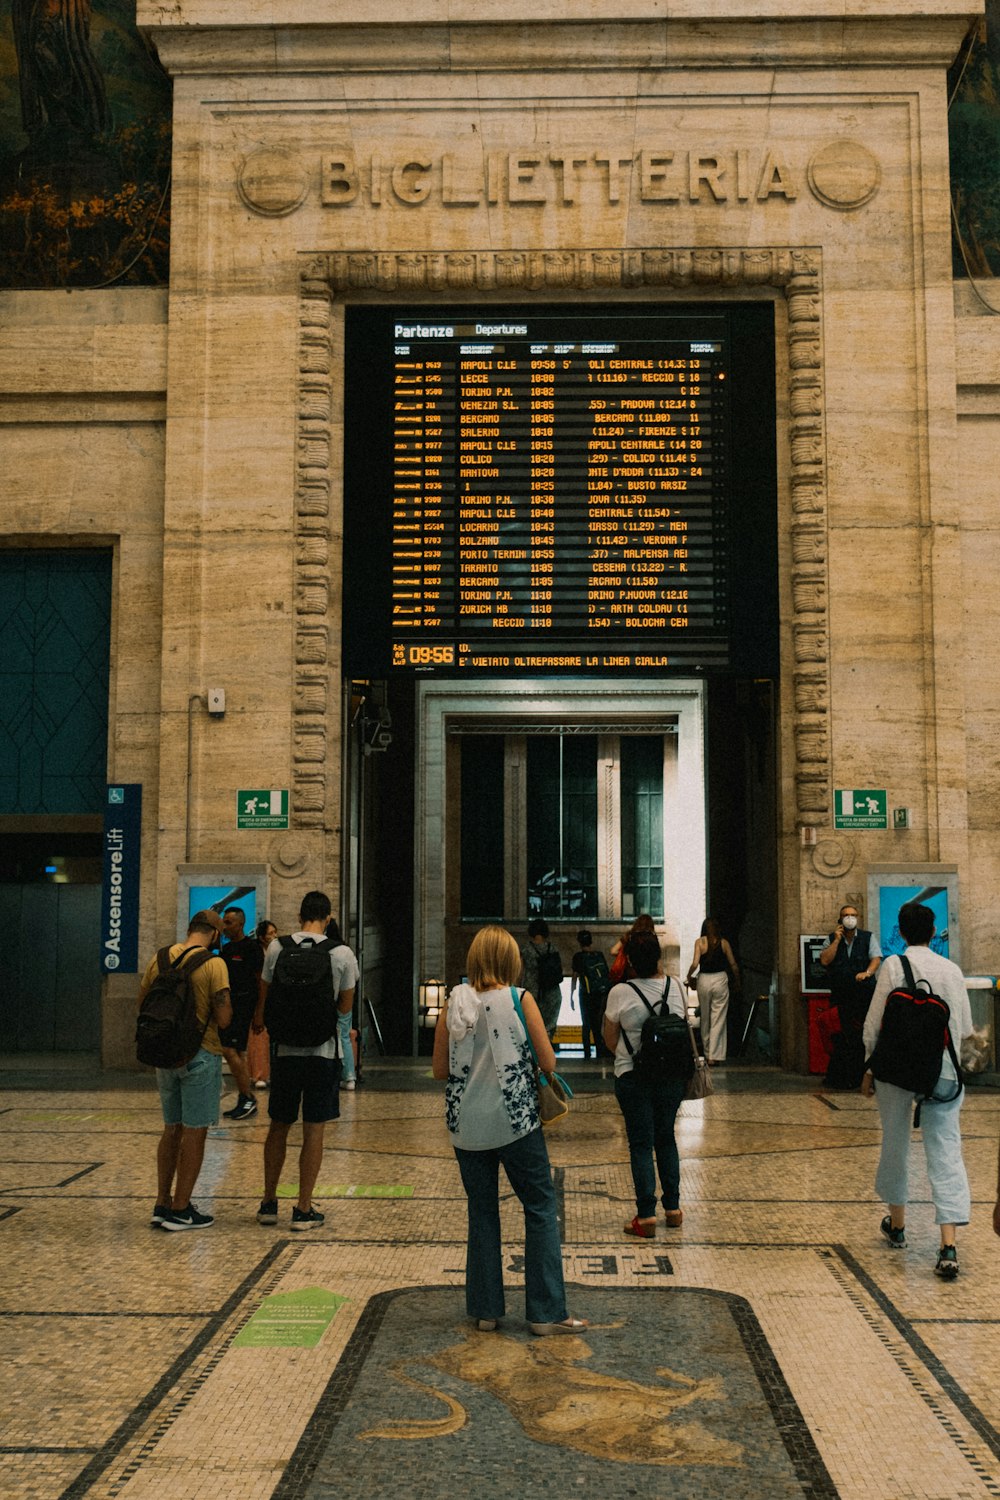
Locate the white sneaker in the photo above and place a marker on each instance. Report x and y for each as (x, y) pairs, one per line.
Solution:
(350, 1084)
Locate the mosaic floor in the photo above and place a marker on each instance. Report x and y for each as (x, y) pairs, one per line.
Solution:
(773, 1347)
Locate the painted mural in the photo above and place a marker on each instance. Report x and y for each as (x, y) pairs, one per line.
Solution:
(974, 130)
(84, 147)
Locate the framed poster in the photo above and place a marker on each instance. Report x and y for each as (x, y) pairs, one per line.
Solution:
(936, 886)
(813, 978)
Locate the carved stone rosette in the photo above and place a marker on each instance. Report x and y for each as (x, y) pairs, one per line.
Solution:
(797, 273)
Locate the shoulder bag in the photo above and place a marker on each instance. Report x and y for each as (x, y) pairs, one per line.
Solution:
(554, 1093)
(699, 1085)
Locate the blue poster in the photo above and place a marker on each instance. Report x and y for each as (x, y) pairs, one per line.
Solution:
(219, 897)
(120, 880)
(892, 897)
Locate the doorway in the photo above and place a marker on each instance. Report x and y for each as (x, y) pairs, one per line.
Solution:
(55, 662)
(566, 799)
(583, 802)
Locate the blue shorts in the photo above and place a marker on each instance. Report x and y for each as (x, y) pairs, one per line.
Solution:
(313, 1082)
(190, 1095)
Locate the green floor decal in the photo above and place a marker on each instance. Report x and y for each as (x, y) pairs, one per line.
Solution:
(376, 1190)
(291, 1320)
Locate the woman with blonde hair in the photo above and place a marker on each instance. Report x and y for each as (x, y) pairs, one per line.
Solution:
(481, 1046)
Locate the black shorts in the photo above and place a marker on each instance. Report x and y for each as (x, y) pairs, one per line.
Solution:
(312, 1082)
(237, 1034)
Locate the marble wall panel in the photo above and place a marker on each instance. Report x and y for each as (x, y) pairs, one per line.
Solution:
(979, 346)
(980, 945)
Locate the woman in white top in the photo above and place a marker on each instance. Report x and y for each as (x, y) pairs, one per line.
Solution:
(649, 1109)
(481, 1048)
(939, 1121)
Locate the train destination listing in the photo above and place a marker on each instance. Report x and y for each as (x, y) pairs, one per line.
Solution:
(558, 502)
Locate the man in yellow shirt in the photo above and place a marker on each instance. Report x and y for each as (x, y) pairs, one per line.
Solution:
(189, 1095)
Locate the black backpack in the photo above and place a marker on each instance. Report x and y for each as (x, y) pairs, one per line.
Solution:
(596, 975)
(665, 1053)
(167, 1030)
(550, 969)
(912, 1040)
(301, 1008)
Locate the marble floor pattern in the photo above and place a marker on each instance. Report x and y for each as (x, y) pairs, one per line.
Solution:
(799, 1354)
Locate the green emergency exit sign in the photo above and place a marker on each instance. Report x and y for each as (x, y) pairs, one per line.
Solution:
(862, 808)
(258, 808)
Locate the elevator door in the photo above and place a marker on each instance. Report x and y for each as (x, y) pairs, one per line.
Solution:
(52, 989)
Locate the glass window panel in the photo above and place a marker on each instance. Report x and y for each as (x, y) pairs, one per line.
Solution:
(642, 822)
(562, 826)
(482, 837)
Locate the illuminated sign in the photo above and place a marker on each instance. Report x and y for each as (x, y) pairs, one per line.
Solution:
(538, 490)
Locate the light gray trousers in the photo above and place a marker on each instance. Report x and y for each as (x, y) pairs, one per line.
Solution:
(942, 1138)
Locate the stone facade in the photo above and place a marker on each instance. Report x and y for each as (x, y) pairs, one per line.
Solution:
(501, 151)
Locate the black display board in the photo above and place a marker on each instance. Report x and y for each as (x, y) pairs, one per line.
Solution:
(558, 489)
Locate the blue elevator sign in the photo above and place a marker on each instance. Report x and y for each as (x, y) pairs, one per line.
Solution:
(120, 882)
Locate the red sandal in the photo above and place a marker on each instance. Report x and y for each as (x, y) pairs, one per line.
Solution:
(642, 1229)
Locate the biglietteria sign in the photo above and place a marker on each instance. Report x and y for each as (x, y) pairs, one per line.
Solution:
(841, 174)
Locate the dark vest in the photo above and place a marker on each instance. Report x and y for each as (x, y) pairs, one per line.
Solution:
(845, 966)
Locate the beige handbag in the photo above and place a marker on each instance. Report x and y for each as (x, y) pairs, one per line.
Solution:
(554, 1093)
(699, 1085)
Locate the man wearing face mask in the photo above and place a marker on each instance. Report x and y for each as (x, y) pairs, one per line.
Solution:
(851, 959)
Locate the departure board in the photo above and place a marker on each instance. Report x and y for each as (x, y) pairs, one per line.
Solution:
(552, 489)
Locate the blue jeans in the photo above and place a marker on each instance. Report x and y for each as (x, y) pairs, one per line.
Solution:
(526, 1163)
(346, 1050)
(649, 1110)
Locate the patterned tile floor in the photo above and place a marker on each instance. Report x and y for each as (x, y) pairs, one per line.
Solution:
(774, 1340)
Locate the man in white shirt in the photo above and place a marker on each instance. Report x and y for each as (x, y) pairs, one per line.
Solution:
(939, 1121)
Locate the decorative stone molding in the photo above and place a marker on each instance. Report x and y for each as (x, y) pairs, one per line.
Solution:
(796, 273)
(833, 858)
(311, 590)
(288, 858)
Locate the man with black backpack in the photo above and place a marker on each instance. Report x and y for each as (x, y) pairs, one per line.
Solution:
(183, 1001)
(592, 982)
(913, 1034)
(308, 979)
(543, 973)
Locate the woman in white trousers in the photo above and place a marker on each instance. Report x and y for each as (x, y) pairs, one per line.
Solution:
(715, 966)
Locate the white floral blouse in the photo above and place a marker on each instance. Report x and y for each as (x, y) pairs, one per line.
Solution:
(491, 1098)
